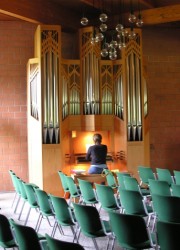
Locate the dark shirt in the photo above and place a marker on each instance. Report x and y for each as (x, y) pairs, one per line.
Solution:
(97, 154)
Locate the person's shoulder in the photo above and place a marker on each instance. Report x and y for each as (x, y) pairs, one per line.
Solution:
(90, 147)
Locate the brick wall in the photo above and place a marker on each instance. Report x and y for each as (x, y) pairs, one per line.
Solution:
(162, 56)
(16, 47)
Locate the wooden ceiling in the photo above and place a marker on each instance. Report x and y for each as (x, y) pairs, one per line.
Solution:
(68, 13)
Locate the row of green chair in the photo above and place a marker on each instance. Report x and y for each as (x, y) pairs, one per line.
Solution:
(17, 236)
(146, 173)
(163, 188)
(131, 233)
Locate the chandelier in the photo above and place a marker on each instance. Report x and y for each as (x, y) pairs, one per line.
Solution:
(118, 35)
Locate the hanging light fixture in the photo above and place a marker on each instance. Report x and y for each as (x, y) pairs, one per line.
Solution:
(139, 21)
(118, 35)
(84, 20)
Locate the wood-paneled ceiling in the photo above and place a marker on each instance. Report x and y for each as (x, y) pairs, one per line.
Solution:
(68, 13)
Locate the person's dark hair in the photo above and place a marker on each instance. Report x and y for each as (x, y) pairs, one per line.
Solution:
(97, 138)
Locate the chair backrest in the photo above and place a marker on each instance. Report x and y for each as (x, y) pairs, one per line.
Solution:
(13, 178)
(106, 197)
(159, 187)
(63, 181)
(164, 175)
(168, 235)
(26, 237)
(6, 236)
(72, 187)
(88, 219)
(87, 191)
(62, 211)
(145, 173)
(175, 189)
(166, 207)
(31, 197)
(120, 178)
(177, 176)
(130, 231)
(21, 188)
(131, 202)
(131, 183)
(110, 179)
(55, 244)
(43, 202)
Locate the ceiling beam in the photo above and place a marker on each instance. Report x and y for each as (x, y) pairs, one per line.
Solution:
(19, 16)
(166, 14)
(147, 3)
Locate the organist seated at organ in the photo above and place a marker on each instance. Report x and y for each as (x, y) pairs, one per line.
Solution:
(97, 154)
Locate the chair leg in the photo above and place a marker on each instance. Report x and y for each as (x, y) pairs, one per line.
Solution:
(95, 244)
(74, 234)
(113, 243)
(21, 210)
(40, 220)
(27, 217)
(17, 204)
(153, 225)
(14, 200)
(54, 229)
(49, 222)
(108, 243)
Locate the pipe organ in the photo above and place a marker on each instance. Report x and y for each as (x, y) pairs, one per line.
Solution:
(50, 58)
(89, 94)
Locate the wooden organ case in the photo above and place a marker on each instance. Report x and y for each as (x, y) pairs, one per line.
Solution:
(67, 97)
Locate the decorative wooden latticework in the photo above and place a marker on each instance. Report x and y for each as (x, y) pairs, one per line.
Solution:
(106, 88)
(71, 101)
(118, 90)
(50, 59)
(34, 81)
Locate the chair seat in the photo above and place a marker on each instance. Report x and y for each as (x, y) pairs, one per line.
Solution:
(8, 244)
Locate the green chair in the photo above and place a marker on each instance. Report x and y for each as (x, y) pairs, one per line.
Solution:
(133, 203)
(159, 187)
(175, 190)
(177, 176)
(164, 175)
(130, 231)
(63, 182)
(55, 244)
(87, 192)
(90, 224)
(166, 208)
(107, 198)
(132, 184)
(145, 173)
(18, 191)
(110, 179)
(32, 201)
(63, 215)
(168, 235)
(120, 178)
(73, 189)
(45, 207)
(27, 238)
(16, 187)
(22, 194)
(6, 236)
